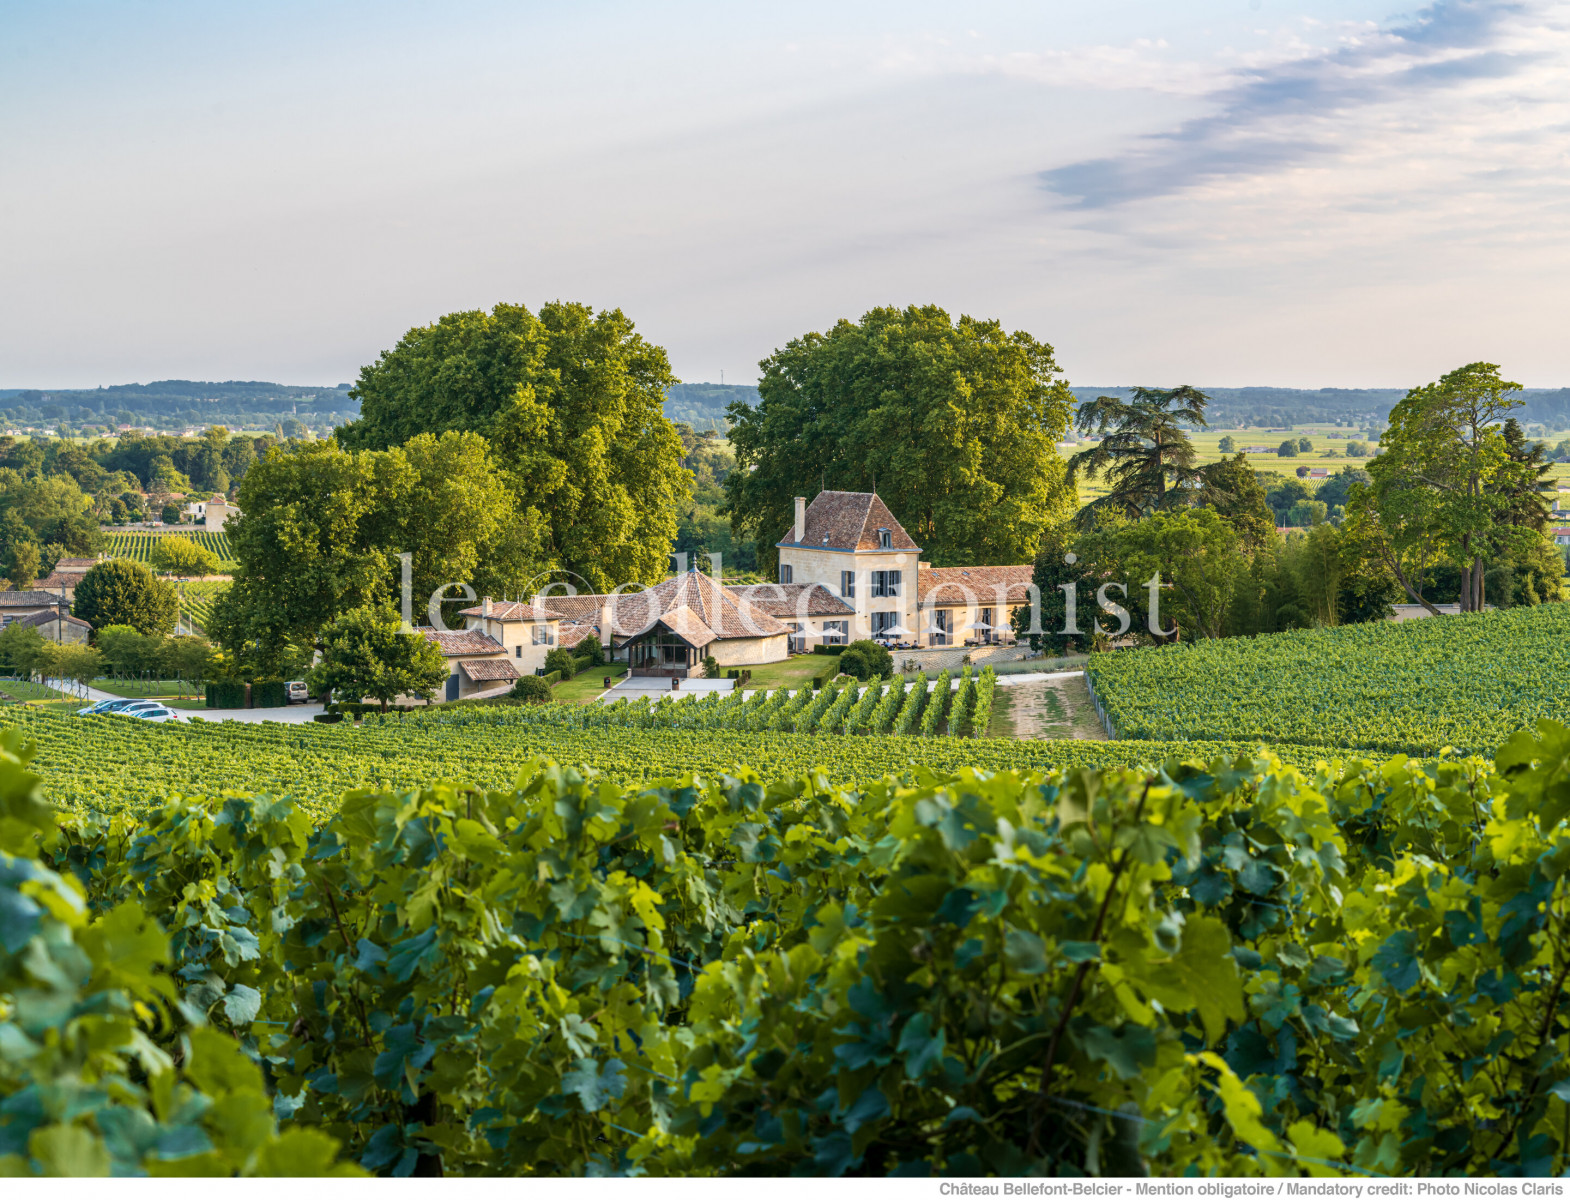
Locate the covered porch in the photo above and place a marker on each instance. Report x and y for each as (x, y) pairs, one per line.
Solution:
(664, 651)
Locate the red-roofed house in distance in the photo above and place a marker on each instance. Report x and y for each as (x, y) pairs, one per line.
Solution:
(851, 545)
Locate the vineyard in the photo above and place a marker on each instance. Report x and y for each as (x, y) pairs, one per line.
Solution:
(491, 747)
(1415, 687)
(1222, 968)
(139, 546)
(845, 706)
(196, 600)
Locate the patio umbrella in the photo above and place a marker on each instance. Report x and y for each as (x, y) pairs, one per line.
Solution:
(896, 631)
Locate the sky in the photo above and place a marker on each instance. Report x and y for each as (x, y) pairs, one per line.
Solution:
(1222, 192)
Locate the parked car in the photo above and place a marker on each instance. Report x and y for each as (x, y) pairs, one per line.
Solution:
(155, 712)
(297, 692)
(104, 706)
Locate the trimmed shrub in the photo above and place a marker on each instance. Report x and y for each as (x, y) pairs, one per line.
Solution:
(853, 662)
(560, 660)
(226, 693)
(272, 693)
(880, 663)
(532, 689)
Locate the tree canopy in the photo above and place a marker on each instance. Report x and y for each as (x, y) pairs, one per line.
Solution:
(1145, 457)
(1447, 483)
(365, 656)
(121, 592)
(571, 402)
(953, 423)
(321, 530)
(182, 556)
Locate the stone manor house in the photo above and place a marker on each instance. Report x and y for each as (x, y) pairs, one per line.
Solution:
(848, 570)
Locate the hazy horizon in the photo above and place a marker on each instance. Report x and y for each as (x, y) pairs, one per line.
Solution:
(1346, 193)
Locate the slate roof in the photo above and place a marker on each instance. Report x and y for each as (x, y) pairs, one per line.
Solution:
(488, 669)
(48, 618)
(848, 521)
(32, 598)
(794, 600)
(460, 642)
(962, 585)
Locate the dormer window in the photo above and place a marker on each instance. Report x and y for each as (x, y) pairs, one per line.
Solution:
(885, 540)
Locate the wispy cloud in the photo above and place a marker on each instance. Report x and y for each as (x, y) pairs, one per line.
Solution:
(1323, 105)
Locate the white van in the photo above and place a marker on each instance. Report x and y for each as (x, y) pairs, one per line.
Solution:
(297, 693)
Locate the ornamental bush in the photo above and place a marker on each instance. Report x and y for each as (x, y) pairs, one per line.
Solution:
(1221, 967)
(532, 688)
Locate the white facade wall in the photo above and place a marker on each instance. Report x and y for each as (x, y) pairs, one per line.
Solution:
(517, 637)
(746, 652)
(813, 565)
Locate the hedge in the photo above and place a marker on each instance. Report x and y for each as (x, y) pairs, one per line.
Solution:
(272, 693)
(226, 693)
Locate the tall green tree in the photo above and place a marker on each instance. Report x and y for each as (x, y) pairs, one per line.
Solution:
(121, 592)
(571, 401)
(1233, 489)
(953, 423)
(322, 529)
(364, 656)
(1145, 457)
(1446, 480)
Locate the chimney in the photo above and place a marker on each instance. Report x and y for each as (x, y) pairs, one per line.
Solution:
(801, 519)
(485, 606)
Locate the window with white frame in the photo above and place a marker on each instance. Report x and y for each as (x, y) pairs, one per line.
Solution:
(885, 583)
(543, 636)
(848, 584)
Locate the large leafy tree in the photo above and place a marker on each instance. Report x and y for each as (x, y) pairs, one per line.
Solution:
(121, 592)
(1446, 482)
(571, 401)
(954, 423)
(322, 529)
(1234, 491)
(181, 556)
(1145, 457)
(365, 656)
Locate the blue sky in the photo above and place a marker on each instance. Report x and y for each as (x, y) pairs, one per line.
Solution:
(1227, 192)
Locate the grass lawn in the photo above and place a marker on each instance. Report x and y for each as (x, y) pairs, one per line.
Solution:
(796, 671)
(146, 689)
(22, 689)
(587, 686)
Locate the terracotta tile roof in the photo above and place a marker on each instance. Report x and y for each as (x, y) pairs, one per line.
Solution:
(569, 636)
(54, 582)
(488, 668)
(794, 600)
(76, 566)
(513, 610)
(961, 585)
(724, 612)
(848, 521)
(460, 642)
(685, 623)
